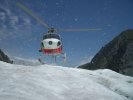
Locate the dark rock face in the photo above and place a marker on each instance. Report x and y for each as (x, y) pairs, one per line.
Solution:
(117, 55)
(4, 57)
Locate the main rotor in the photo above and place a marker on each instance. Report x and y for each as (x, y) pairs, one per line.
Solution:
(51, 29)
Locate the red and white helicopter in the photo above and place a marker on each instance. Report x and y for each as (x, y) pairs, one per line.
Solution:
(51, 43)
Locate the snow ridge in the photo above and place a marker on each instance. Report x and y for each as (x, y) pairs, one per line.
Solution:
(26, 62)
(45, 82)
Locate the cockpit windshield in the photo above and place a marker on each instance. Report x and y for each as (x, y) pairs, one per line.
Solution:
(46, 36)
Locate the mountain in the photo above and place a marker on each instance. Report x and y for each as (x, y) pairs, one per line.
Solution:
(4, 57)
(117, 55)
(46, 82)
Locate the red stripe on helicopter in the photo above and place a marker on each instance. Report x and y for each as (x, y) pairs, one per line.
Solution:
(53, 51)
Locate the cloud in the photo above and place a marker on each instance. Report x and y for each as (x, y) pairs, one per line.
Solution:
(26, 21)
(5, 10)
(14, 20)
(2, 16)
(12, 23)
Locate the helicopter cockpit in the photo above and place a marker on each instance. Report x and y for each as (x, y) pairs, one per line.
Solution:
(47, 36)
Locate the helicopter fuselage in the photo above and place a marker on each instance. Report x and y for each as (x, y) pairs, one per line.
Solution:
(51, 44)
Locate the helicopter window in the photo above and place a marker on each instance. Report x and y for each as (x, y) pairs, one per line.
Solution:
(51, 36)
(59, 43)
(42, 45)
(50, 42)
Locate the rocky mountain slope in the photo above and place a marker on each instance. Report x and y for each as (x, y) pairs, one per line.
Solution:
(117, 55)
(4, 57)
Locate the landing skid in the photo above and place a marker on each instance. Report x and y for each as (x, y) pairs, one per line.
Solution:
(41, 62)
(53, 60)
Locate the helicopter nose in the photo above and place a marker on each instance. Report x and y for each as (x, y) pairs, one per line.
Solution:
(50, 42)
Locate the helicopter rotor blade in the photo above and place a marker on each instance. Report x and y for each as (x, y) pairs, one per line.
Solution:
(27, 10)
(81, 29)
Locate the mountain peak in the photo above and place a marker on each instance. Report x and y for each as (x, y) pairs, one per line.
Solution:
(128, 33)
(117, 55)
(4, 57)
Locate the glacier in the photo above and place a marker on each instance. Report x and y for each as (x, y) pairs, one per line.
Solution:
(48, 82)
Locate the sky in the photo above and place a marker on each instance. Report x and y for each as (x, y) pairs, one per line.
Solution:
(20, 34)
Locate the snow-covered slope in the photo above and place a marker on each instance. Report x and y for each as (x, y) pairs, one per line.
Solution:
(24, 61)
(45, 82)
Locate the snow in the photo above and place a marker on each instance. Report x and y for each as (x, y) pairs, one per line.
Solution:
(46, 82)
(25, 61)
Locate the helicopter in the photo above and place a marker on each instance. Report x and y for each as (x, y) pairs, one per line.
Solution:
(51, 43)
